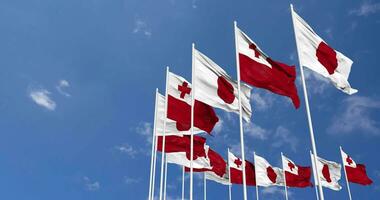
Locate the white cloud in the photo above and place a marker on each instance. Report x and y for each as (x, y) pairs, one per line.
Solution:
(316, 84)
(41, 97)
(279, 191)
(62, 84)
(145, 129)
(262, 100)
(256, 131)
(218, 127)
(129, 180)
(355, 115)
(366, 8)
(283, 137)
(91, 185)
(127, 149)
(142, 28)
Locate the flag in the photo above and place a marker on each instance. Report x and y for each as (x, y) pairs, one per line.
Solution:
(329, 173)
(179, 106)
(295, 175)
(257, 69)
(216, 170)
(216, 88)
(356, 173)
(177, 149)
(171, 125)
(266, 175)
(315, 54)
(236, 169)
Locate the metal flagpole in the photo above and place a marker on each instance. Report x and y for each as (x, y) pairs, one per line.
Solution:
(257, 185)
(154, 165)
(163, 135)
(229, 174)
(345, 174)
(314, 167)
(314, 148)
(283, 169)
(152, 159)
(166, 177)
(192, 122)
(204, 186)
(240, 115)
(183, 182)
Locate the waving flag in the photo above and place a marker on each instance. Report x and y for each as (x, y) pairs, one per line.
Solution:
(259, 70)
(295, 175)
(216, 88)
(171, 125)
(177, 149)
(217, 168)
(266, 175)
(317, 55)
(329, 173)
(356, 173)
(236, 170)
(179, 106)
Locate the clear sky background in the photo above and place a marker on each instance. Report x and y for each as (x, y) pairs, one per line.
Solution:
(77, 82)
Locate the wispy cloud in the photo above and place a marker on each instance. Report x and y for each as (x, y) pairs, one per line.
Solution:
(62, 85)
(91, 185)
(355, 115)
(256, 131)
(279, 191)
(145, 129)
(283, 137)
(130, 180)
(366, 8)
(127, 149)
(218, 127)
(262, 100)
(194, 4)
(141, 27)
(42, 98)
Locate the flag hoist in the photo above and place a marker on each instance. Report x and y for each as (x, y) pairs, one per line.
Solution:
(163, 137)
(240, 114)
(314, 148)
(154, 149)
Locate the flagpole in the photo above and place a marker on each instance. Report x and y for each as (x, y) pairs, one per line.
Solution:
(151, 185)
(166, 177)
(154, 165)
(192, 122)
(229, 175)
(204, 186)
(240, 115)
(257, 185)
(345, 174)
(183, 182)
(283, 170)
(314, 148)
(313, 166)
(163, 135)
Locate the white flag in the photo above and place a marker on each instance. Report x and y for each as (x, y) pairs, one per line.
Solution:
(317, 55)
(266, 175)
(217, 89)
(329, 173)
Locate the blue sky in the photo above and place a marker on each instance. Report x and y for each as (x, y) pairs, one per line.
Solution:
(78, 78)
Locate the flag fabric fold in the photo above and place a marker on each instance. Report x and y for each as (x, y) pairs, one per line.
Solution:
(217, 89)
(258, 70)
(177, 149)
(315, 54)
(329, 173)
(171, 125)
(216, 170)
(295, 175)
(266, 174)
(236, 170)
(179, 106)
(356, 173)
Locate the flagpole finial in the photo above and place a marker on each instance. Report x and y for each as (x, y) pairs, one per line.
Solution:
(291, 6)
(156, 90)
